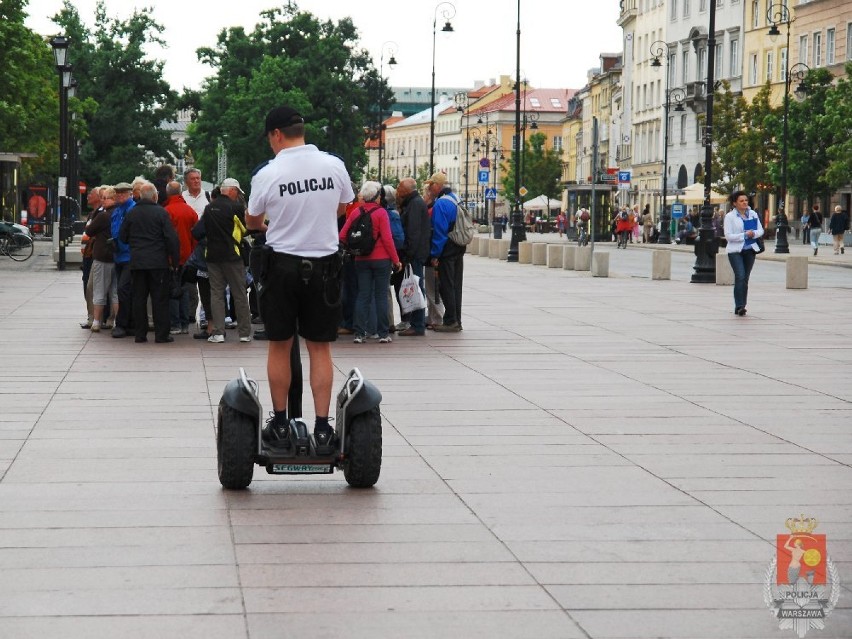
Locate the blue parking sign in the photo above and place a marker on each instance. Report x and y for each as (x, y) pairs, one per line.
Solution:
(483, 177)
(678, 210)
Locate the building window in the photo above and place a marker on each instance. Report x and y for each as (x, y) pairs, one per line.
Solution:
(697, 130)
(782, 69)
(829, 46)
(673, 15)
(755, 13)
(671, 130)
(683, 129)
(685, 58)
(735, 58)
(770, 59)
(818, 49)
(752, 69)
(803, 49)
(686, 4)
(702, 5)
(702, 62)
(849, 41)
(672, 68)
(557, 143)
(717, 63)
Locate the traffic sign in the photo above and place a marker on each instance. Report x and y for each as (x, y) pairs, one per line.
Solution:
(523, 191)
(484, 163)
(678, 210)
(483, 176)
(490, 194)
(624, 176)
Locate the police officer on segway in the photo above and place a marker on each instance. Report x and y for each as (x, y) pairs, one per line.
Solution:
(301, 192)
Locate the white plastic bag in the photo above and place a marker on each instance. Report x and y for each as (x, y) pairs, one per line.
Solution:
(411, 298)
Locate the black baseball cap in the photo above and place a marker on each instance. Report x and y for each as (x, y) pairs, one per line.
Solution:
(282, 117)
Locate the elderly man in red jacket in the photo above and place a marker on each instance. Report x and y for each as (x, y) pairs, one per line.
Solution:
(183, 217)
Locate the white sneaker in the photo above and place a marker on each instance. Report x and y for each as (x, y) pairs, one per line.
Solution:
(247, 338)
(359, 339)
(229, 323)
(96, 327)
(174, 331)
(216, 339)
(373, 336)
(403, 326)
(385, 340)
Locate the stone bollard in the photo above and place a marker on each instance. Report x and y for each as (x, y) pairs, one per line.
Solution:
(569, 255)
(661, 265)
(583, 258)
(473, 247)
(504, 249)
(554, 255)
(539, 253)
(483, 228)
(493, 248)
(724, 272)
(600, 264)
(797, 272)
(524, 252)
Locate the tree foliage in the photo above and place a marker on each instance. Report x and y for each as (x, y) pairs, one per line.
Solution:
(837, 119)
(541, 170)
(110, 64)
(291, 58)
(809, 140)
(29, 102)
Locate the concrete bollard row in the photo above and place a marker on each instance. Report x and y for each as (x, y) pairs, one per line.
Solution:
(724, 272)
(797, 272)
(661, 265)
(600, 264)
(554, 255)
(539, 255)
(583, 258)
(524, 252)
(503, 250)
(569, 256)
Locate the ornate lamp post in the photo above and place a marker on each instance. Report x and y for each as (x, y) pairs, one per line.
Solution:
(462, 102)
(778, 13)
(448, 12)
(706, 246)
(518, 232)
(60, 55)
(391, 47)
(658, 50)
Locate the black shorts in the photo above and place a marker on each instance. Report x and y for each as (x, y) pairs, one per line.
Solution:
(289, 301)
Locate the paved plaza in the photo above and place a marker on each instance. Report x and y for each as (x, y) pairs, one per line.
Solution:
(608, 458)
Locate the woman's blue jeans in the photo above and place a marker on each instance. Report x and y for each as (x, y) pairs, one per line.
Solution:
(373, 282)
(742, 264)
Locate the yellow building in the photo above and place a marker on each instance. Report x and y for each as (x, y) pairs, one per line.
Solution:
(765, 58)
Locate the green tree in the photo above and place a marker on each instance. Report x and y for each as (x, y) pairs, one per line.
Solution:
(729, 114)
(290, 57)
(541, 170)
(809, 139)
(124, 135)
(838, 120)
(29, 103)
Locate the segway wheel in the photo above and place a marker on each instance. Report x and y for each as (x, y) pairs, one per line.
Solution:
(364, 457)
(236, 443)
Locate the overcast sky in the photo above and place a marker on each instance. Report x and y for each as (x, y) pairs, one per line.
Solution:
(560, 39)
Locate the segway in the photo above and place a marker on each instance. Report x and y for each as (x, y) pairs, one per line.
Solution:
(356, 447)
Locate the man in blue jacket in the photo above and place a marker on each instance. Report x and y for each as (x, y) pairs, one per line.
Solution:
(445, 254)
(123, 193)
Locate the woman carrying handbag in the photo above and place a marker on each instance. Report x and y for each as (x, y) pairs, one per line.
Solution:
(742, 230)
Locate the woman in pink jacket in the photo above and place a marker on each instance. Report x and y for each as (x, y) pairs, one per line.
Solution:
(373, 270)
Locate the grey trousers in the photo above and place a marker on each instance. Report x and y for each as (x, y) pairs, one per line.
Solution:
(232, 274)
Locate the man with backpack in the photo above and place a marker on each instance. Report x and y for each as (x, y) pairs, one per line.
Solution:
(447, 252)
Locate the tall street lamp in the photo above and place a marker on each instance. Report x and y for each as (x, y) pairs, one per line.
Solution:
(518, 232)
(778, 13)
(448, 12)
(706, 246)
(391, 47)
(658, 50)
(60, 55)
(462, 102)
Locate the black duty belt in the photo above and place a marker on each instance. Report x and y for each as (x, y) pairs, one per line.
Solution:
(287, 257)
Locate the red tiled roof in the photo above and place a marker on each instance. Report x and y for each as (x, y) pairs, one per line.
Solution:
(544, 97)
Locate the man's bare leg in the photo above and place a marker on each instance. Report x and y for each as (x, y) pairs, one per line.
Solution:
(278, 371)
(322, 375)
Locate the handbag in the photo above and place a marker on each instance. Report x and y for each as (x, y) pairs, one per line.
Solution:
(411, 297)
(760, 247)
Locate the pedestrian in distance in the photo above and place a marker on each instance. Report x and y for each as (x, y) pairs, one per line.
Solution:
(815, 227)
(837, 225)
(742, 229)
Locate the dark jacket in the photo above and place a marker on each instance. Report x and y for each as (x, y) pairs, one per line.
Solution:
(418, 228)
(153, 242)
(838, 223)
(223, 225)
(815, 220)
(99, 231)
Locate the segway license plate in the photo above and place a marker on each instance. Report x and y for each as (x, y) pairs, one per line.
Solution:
(300, 469)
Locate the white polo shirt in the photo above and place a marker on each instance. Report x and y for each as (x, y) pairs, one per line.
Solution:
(299, 192)
(198, 202)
